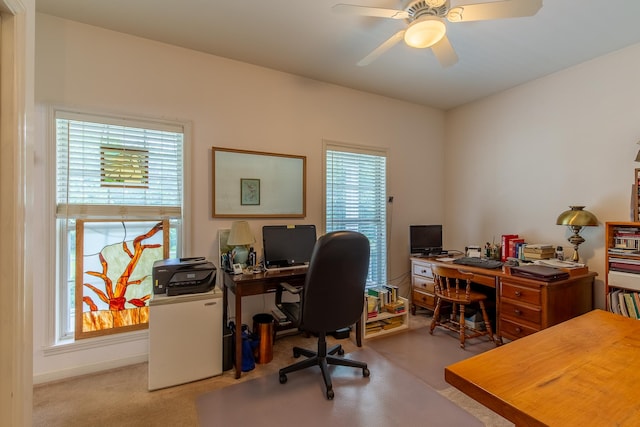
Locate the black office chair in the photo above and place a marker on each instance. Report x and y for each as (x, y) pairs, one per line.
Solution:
(332, 298)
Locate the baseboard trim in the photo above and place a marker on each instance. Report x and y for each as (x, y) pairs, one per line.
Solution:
(89, 369)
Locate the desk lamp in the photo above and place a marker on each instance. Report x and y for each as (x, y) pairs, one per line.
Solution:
(576, 218)
(240, 236)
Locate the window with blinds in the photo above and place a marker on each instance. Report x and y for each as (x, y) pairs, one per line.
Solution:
(109, 166)
(111, 170)
(355, 199)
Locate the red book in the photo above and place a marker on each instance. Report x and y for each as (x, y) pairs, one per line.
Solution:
(506, 238)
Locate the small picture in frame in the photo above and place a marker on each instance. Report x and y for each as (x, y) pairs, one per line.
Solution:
(249, 191)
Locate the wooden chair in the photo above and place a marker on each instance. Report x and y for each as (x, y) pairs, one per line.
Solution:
(454, 286)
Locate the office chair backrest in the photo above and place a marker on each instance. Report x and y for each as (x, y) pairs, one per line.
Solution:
(335, 283)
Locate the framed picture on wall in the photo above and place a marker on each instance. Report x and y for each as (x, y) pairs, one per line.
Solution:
(271, 185)
(249, 191)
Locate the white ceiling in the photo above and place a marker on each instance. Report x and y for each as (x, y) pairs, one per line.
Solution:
(304, 37)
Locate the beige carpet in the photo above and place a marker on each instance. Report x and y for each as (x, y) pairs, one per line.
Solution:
(119, 397)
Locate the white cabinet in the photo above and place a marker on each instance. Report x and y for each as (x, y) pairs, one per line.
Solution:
(185, 338)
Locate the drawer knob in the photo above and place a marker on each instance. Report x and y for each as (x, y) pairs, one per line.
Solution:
(518, 293)
(518, 312)
(518, 330)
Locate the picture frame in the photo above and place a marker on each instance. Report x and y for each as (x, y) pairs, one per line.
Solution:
(272, 185)
(249, 191)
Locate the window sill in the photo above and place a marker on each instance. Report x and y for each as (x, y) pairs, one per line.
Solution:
(68, 346)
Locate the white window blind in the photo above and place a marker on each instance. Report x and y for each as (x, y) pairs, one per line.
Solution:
(355, 182)
(119, 167)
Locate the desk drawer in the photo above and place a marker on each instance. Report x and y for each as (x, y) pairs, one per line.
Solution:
(423, 284)
(527, 313)
(422, 270)
(520, 293)
(423, 299)
(513, 330)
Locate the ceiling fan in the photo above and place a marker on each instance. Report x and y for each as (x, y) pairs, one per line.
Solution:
(426, 26)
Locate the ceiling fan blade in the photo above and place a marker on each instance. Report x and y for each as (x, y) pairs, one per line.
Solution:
(494, 10)
(391, 41)
(444, 52)
(352, 9)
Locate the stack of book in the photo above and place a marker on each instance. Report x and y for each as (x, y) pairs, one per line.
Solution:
(392, 322)
(395, 307)
(538, 251)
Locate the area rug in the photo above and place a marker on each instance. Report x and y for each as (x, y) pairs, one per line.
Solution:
(426, 355)
(390, 396)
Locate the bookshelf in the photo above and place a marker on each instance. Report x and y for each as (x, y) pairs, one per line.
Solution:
(384, 323)
(622, 283)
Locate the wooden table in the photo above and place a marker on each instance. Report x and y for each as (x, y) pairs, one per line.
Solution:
(582, 372)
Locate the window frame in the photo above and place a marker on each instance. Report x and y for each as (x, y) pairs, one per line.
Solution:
(59, 299)
(366, 150)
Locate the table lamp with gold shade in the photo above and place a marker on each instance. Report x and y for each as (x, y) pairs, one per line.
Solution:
(576, 218)
(241, 237)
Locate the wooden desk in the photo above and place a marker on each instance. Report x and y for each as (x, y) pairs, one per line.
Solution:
(523, 306)
(583, 372)
(242, 285)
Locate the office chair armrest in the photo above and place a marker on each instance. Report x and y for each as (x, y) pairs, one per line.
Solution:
(291, 289)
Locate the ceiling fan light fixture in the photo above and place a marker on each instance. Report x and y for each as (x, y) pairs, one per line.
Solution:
(425, 32)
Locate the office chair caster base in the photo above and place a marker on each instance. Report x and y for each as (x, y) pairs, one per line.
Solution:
(341, 352)
(366, 372)
(283, 378)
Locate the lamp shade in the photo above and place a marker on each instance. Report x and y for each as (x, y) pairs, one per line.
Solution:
(240, 234)
(425, 32)
(577, 216)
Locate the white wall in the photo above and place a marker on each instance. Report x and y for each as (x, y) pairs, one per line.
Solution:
(516, 160)
(230, 104)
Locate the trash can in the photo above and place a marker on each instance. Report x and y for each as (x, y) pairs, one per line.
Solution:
(263, 331)
(227, 348)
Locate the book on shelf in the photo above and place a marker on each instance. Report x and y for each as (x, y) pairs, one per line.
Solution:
(636, 300)
(385, 293)
(631, 308)
(614, 301)
(622, 304)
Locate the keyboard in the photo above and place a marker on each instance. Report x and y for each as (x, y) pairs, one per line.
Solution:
(478, 262)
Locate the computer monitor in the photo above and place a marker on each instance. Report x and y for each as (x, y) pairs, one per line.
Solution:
(425, 239)
(287, 245)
